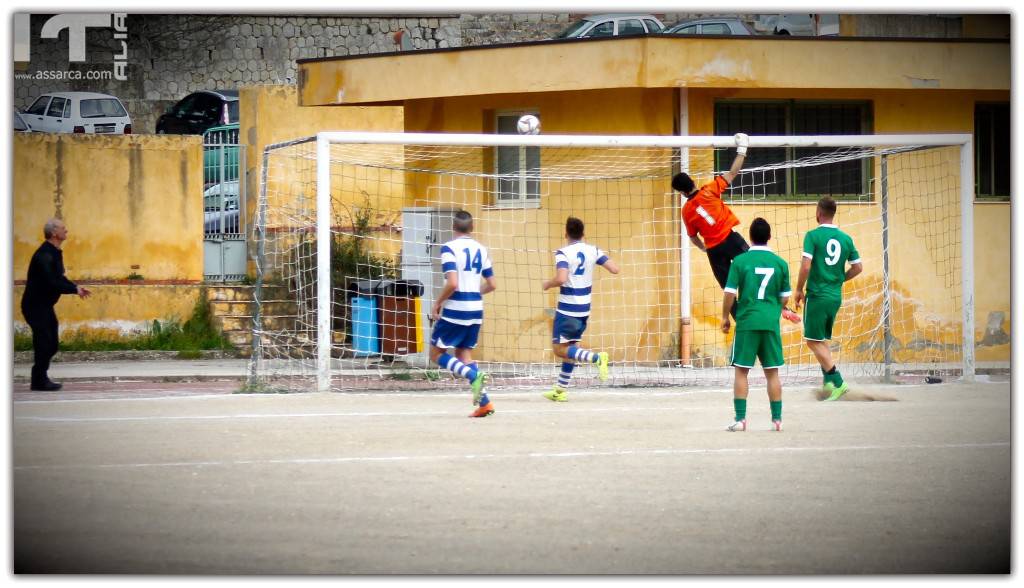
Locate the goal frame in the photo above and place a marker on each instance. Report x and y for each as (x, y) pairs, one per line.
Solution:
(324, 140)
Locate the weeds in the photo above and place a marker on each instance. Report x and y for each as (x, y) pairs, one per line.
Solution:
(194, 335)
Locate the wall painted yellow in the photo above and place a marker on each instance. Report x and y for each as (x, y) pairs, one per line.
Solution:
(271, 114)
(131, 200)
(517, 323)
(653, 62)
(119, 308)
(127, 200)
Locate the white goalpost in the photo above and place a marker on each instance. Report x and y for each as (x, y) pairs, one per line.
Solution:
(348, 227)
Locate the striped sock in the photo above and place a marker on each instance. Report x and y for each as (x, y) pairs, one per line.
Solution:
(566, 375)
(457, 367)
(580, 354)
(483, 399)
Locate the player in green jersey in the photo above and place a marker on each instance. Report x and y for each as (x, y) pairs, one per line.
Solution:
(759, 283)
(827, 251)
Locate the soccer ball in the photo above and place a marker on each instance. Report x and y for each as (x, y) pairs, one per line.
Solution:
(528, 125)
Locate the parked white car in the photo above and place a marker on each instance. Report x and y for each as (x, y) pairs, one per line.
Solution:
(78, 112)
(19, 123)
(798, 24)
(612, 25)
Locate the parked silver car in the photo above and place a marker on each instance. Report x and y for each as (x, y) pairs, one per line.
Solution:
(612, 25)
(78, 112)
(710, 26)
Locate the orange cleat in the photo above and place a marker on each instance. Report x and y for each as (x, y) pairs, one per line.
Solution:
(790, 316)
(485, 410)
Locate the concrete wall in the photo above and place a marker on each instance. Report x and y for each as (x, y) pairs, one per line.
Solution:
(132, 205)
(634, 219)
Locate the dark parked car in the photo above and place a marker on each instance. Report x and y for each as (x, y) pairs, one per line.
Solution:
(199, 111)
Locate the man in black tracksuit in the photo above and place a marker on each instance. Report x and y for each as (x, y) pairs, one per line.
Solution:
(45, 284)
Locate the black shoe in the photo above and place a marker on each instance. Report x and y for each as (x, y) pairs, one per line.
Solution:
(47, 387)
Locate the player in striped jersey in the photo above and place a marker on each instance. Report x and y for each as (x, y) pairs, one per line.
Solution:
(706, 215)
(459, 308)
(826, 252)
(574, 275)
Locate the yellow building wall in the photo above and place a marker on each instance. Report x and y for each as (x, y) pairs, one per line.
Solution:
(271, 114)
(634, 220)
(119, 308)
(897, 112)
(132, 205)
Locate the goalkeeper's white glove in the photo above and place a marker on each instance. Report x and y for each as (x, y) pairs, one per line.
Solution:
(742, 141)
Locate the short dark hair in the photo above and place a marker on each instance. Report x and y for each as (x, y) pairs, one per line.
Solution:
(827, 206)
(574, 228)
(463, 222)
(682, 182)
(760, 231)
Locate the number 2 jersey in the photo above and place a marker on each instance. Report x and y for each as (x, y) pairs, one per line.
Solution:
(579, 258)
(470, 259)
(829, 250)
(760, 280)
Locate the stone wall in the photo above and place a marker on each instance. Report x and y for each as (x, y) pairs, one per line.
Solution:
(170, 56)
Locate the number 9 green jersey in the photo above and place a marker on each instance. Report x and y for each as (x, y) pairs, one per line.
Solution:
(829, 250)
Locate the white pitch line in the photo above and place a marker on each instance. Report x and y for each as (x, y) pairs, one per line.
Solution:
(307, 415)
(512, 456)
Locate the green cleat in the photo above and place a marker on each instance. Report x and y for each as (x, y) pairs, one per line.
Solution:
(556, 395)
(478, 387)
(835, 393)
(602, 365)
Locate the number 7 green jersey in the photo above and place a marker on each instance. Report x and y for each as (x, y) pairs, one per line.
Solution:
(829, 250)
(760, 280)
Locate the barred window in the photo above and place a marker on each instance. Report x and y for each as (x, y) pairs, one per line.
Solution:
(843, 180)
(992, 151)
(515, 186)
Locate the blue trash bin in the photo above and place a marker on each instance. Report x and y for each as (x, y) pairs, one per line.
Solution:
(364, 319)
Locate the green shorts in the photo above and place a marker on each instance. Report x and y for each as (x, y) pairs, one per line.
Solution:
(819, 316)
(749, 345)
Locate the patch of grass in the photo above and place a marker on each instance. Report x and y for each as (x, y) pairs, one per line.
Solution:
(190, 354)
(194, 335)
(402, 376)
(260, 388)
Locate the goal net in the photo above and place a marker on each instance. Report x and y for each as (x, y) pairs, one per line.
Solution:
(349, 228)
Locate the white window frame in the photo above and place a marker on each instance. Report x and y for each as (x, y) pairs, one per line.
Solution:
(524, 199)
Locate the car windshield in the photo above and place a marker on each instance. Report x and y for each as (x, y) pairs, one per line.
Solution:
(573, 29)
(101, 108)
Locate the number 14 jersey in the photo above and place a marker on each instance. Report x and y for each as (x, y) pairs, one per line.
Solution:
(471, 261)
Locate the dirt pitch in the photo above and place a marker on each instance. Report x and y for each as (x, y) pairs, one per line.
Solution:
(191, 479)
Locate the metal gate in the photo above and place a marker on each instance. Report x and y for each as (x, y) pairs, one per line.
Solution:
(224, 228)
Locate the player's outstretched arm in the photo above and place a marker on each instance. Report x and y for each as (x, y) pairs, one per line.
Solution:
(741, 155)
(698, 242)
(611, 266)
(727, 301)
(561, 277)
(801, 281)
(451, 284)
(489, 285)
(854, 271)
